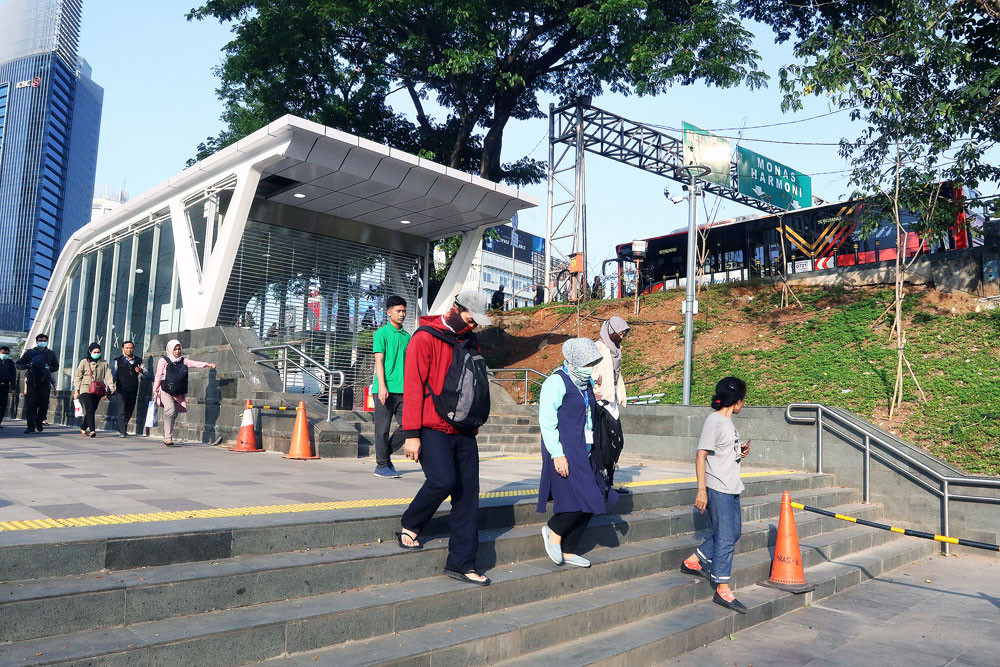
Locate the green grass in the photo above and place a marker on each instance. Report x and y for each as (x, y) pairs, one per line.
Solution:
(837, 358)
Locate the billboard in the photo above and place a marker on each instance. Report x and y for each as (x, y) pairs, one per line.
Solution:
(702, 147)
(504, 239)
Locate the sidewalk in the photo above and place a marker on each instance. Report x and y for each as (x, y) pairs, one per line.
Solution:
(61, 475)
(936, 611)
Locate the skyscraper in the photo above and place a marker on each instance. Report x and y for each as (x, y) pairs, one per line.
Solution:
(50, 120)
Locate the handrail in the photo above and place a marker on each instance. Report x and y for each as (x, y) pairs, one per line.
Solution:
(867, 438)
(645, 399)
(527, 377)
(326, 380)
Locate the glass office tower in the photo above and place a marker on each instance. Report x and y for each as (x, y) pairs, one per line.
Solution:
(50, 119)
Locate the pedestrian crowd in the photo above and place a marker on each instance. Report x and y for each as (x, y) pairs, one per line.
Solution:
(434, 384)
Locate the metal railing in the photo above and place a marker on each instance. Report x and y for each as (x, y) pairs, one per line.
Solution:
(304, 364)
(646, 399)
(528, 378)
(836, 421)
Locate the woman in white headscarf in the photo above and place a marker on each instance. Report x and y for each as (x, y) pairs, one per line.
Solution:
(569, 475)
(170, 386)
(609, 385)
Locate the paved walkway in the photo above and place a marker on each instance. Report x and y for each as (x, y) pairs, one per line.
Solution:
(936, 611)
(61, 475)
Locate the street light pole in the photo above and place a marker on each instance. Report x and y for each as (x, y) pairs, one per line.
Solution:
(690, 302)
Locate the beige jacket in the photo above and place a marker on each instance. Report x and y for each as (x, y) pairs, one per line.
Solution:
(83, 377)
(604, 378)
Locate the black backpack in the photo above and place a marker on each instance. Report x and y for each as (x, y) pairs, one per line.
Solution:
(38, 370)
(608, 442)
(175, 380)
(464, 401)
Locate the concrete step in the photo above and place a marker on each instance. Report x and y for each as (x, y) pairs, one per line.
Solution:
(69, 551)
(58, 605)
(630, 582)
(666, 635)
(522, 629)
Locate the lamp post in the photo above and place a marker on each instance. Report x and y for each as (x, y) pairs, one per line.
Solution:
(690, 302)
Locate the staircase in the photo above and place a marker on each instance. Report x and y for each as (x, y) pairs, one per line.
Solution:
(511, 429)
(326, 591)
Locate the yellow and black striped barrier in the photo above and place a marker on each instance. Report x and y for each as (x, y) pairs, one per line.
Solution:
(293, 408)
(901, 531)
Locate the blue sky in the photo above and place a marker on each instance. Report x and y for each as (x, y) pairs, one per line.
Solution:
(159, 102)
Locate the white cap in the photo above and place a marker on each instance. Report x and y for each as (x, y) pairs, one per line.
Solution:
(475, 303)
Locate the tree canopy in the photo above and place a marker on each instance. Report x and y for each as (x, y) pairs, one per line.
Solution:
(923, 75)
(483, 63)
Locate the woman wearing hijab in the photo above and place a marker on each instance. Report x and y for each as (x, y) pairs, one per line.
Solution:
(569, 478)
(170, 386)
(609, 385)
(92, 381)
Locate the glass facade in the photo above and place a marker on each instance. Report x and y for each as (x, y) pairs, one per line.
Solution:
(322, 294)
(119, 289)
(49, 125)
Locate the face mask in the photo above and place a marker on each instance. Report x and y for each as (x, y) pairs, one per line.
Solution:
(95, 355)
(43, 344)
(584, 373)
(3, 356)
(455, 322)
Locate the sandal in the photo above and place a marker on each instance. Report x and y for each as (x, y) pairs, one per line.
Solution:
(409, 547)
(168, 444)
(464, 576)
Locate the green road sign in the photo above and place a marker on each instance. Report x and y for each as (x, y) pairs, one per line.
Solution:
(764, 179)
(702, 147)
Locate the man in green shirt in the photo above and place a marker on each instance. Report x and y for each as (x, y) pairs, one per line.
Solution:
(389, 346)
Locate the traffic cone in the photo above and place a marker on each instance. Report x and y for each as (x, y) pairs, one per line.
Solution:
(786, 568)
(247, 441)
(300, 448)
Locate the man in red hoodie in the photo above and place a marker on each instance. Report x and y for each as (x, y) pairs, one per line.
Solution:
(450, 460)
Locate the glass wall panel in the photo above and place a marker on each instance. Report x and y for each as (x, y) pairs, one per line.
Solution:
(104, 294)
(118, 333)
(67, 361)
(197, 215)
(84, 339)
(164, 280)
(57, 325)
(140, 288)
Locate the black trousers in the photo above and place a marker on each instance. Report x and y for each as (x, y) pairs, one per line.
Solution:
(384, 445)
(126, 406)
(569, 526)
(89, 402)
(36, 405)
(4, 395)
(451, 466)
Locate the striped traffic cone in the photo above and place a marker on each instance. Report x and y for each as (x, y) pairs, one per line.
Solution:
(247, 441)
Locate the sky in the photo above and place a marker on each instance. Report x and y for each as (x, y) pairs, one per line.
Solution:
(159, 103)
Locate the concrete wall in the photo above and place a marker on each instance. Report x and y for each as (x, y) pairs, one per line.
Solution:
(670, 432)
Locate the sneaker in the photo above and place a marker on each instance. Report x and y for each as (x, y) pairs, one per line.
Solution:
(29, 430)
(122, 435)
(385, 471)
(553, 551)
(579, 561)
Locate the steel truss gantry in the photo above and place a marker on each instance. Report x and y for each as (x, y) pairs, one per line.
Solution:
(618, 138)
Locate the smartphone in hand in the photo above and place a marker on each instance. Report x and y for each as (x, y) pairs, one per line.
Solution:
(745, 448)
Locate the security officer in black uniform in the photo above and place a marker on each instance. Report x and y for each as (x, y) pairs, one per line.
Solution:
(41, 363)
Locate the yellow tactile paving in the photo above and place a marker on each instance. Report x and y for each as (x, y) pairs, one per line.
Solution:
(112, 519)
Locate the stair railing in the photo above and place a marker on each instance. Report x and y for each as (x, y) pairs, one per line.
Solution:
(289, 356)
(829, 419)
(530, 377)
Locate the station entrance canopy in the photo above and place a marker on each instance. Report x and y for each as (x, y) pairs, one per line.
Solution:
(297, 231)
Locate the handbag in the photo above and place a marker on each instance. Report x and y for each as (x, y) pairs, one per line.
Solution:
(152, 415)
(97, 388)
(77, 408)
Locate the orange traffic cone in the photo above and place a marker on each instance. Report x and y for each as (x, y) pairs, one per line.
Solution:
(300, 448)
(247, 441)
(786, 568)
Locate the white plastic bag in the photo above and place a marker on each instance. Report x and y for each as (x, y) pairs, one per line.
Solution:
(77, 408)
(152, 415)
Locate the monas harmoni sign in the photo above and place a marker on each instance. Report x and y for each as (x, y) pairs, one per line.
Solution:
(765, 179)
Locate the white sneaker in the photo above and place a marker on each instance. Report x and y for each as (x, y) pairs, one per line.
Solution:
(554, 551)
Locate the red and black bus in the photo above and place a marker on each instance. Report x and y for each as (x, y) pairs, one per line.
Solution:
(815, 238)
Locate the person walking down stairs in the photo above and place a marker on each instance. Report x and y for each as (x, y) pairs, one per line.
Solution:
(717, 468)
(570, 478)
(170, 386)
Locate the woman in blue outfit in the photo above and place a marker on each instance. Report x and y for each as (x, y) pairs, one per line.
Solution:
(569, 478)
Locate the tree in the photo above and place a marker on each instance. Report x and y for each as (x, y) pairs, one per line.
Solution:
(484, 63)
(924, 77)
